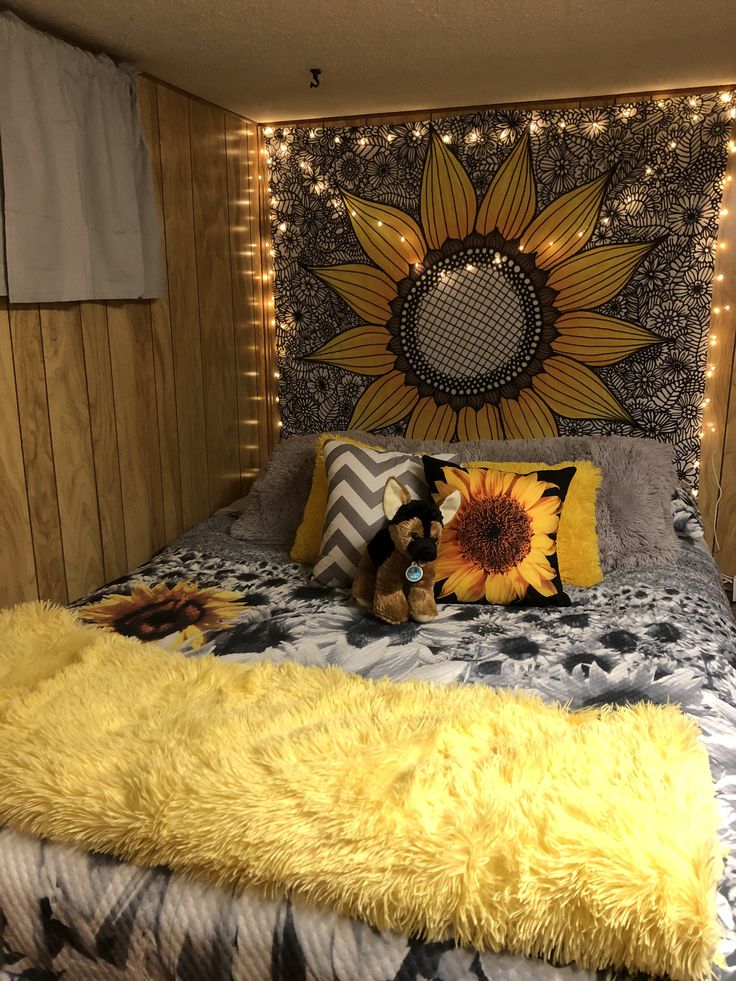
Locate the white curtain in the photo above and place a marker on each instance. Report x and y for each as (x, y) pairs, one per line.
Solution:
(79, 209)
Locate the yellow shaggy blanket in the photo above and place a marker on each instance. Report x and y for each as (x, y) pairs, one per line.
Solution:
(487, 815)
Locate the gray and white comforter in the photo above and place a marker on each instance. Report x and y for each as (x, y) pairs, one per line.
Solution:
(662, 635)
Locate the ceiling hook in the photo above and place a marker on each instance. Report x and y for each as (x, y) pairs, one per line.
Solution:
(316, 72)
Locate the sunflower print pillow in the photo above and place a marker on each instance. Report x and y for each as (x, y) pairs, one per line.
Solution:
(501, 546)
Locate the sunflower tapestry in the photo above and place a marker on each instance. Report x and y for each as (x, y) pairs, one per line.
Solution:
(505, 274)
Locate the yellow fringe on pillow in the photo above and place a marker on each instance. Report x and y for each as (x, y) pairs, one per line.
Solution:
(430, 810)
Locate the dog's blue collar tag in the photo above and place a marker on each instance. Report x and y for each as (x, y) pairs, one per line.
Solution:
(414, 573)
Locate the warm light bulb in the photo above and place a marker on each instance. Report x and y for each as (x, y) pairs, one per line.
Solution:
(447, 138)
(268, 131)
(282, 226)
(726, 96)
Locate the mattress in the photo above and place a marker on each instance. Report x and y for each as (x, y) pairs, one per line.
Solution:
(665, 635)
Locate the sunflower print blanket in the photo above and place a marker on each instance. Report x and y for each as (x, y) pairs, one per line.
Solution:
(662, 635)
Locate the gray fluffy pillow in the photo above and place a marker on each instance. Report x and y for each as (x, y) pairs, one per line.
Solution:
(634, 514)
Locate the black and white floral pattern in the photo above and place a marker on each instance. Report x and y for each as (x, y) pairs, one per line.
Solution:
(666, 160)
(664, 635)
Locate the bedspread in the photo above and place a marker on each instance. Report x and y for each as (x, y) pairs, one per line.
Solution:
(660, 635)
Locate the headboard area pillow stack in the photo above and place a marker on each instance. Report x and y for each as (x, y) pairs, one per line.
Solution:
(633, 506)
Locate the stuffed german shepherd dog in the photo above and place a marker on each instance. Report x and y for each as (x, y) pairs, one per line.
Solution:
(396, 575)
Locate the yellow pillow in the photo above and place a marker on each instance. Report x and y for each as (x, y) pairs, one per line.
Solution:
(577, 540)
(309, 533)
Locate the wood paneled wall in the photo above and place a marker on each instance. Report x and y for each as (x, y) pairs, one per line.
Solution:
(718, 449)
(124, 423)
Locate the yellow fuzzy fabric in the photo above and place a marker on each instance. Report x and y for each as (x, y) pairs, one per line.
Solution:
(587, 837)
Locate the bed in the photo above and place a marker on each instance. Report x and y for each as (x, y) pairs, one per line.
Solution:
(663, 634)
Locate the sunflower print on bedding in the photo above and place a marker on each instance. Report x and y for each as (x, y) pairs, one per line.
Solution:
(183, 614)
(501, 546)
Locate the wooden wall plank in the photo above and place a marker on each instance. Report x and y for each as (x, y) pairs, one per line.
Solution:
(104, 438)
(214, 282)
(176, 173)
(71, 440)
(38, 457)
(263, 308)
(725, 549)
(17, 566)
(411, 115)
(247, 309)
(131, 357)
(163, 355)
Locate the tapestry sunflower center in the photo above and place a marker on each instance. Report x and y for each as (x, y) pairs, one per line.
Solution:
(494, 533)
(471, 322)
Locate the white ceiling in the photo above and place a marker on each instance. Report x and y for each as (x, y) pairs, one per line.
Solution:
(254, 56)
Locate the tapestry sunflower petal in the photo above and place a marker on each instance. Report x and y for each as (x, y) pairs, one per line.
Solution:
(447, 203)
(565, 226)
(598, 340)
(390, 238)
(572, 390)
(361, 349)
(483, 424)
(595, 276)
(432, 421)
(527, 417)
(365, 289)
(511, 199)
(383, 403)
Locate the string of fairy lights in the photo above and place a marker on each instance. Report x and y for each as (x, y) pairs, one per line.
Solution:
(719, 325)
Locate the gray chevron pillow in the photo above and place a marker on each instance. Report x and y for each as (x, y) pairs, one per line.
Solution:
(356, 478)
